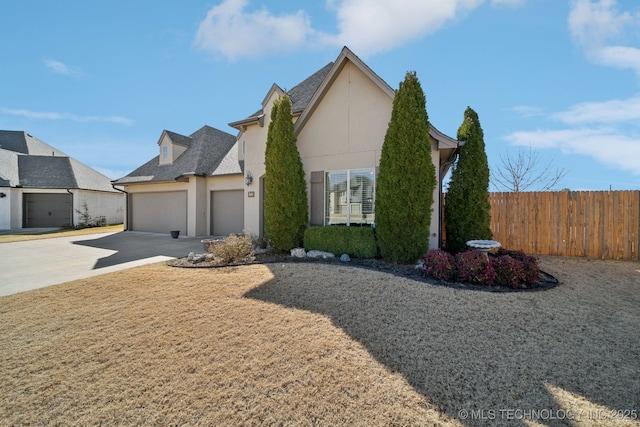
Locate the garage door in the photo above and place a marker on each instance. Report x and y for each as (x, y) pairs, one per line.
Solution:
(159, 212)
(227, 212)
(46, 210)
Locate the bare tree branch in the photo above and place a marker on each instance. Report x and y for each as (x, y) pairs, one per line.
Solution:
(524, 171)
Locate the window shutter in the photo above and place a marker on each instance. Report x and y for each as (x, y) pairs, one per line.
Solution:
(317, 198)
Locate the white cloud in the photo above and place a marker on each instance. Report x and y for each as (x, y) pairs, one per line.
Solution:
(366, 26)
(507, 2)
(370, 27)
(606, 145)
(61, 68)
(595, 26)
(607, 131)
(619, 57)
(43, 115)
(613, 111)
(233, 32)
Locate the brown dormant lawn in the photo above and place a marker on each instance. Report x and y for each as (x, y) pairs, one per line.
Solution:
(318, 344)
(24, 234)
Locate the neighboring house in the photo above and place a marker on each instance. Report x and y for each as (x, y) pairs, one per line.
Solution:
(341, 116)
(41, 186)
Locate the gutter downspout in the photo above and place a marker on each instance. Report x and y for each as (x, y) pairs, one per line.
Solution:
(71, 214)
(449, 162)
(126, 204)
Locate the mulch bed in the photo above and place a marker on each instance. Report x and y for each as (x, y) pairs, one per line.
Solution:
(544, 282)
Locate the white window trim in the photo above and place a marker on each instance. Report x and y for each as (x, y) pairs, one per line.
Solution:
(348, 202)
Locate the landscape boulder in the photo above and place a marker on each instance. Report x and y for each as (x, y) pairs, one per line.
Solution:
(298, 253)
(320, 254)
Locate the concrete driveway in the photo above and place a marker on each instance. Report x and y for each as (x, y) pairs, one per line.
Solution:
(37, 263)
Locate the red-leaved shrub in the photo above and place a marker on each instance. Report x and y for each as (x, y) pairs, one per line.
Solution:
(531, 269)
(504, 268)
(509, 272)
(474, 267)
(438, 264)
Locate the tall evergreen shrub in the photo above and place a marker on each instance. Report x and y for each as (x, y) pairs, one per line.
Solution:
(285, 199)
(467, 212)
(407, 179)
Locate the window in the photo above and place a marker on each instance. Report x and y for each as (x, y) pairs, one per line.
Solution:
(349, 197)
(165, 152)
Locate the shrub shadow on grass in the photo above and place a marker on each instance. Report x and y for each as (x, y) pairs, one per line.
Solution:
(476, 351)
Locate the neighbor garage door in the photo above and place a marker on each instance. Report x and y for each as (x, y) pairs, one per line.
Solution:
(46, 210)
(159, 212)
(227, 212)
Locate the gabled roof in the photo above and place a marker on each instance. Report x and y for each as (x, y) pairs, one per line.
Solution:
(302, 93)
(300, 96)
(345, 56)
(176, 138)
(306, 96)
(28, 162)
(210, 152)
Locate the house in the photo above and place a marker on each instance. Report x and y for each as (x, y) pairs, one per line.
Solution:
(341, 115)
(194, 185)
(41, 186)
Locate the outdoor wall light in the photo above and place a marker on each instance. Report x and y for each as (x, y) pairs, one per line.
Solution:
(248, 179)
(2, 195)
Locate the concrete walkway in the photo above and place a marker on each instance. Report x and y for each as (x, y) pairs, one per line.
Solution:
(34, 264)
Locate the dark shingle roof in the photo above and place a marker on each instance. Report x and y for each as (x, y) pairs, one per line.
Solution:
(46, 172)
(14, 140)
(207, 148)
(31, 163)
(180, 139)
(301, 93)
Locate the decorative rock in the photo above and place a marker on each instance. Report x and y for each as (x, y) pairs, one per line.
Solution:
(298, 253)
(196, 258)
(345, 258)
(320, 254)
(259, 251)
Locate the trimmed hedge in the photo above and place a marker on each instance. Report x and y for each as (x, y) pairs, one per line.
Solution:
(358, 242)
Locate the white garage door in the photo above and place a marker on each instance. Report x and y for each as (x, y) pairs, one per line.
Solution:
(159, 212)
(227, 212)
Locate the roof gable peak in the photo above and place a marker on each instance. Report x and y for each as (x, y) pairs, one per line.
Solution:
(175, 138)
(346, 56)
(275, 89)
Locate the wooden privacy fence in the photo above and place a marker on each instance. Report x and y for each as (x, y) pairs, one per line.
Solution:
(594, 224)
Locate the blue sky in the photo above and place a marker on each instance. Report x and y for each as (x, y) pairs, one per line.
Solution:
(101, 80)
